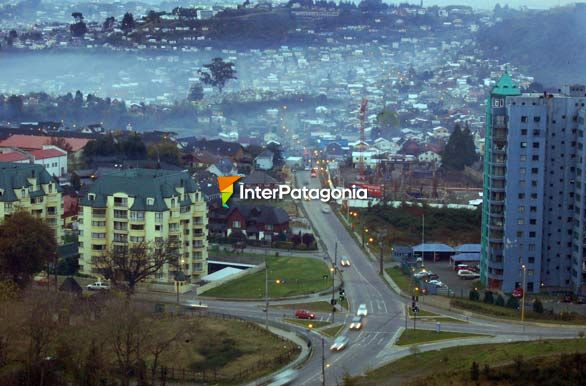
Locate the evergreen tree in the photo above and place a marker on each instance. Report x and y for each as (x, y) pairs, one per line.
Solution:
(538, 306)
(460, 150)
(127, 22)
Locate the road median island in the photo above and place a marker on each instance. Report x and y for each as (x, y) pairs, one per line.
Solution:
(287, 277)
(410, 336)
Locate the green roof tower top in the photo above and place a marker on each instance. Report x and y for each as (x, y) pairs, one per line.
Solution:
(505, 86)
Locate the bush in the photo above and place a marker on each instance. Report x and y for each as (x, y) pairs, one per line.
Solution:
(538, 306)
(474, 295)
(500, 301)
(512, 302)
(488, 297)
(475, 371)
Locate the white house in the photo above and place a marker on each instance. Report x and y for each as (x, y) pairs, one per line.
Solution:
(430, 156)
(264, 161)
(51, 157)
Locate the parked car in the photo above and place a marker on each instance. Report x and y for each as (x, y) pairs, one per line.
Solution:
(467, 274)
(436, 283)
(98, 286)
(422, 274)
(356, 323)
(362, 311)
(303, 314)
(344, 261)
(284, 378)
(339, 343)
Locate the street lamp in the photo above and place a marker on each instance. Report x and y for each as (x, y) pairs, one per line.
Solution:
(364, 232)
(524, 268)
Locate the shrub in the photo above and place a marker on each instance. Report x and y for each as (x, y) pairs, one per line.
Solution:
(474, 295)
(500, 301)
(512, 302)
(475, 371)
(538, 306)
(488, 297)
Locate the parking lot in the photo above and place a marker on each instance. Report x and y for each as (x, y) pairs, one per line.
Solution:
(449, 277)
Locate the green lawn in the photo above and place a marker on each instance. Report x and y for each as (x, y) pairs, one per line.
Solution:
(301, 275)
(422, 313)
(400, 278)
(428, 316)
(411, 336)
(331, 331)
(306, 322)
(446, 361)
(509, 313)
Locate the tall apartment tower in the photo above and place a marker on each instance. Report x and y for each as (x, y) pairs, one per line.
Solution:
(144, 205)
(534, 214)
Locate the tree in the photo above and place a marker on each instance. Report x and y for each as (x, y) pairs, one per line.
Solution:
(61, 143)
(165, 151)
(109, 24)
(130, 264)
(127, 24)
(460, 150)
(277, 151)
(79, 28)
(488, 297)
(474, 295)
(22, 254)
(217, 73)
(133, 147)
(475, 371)
(387, 120)
(308, 239)
(538, 306)
(195, 92)
(153, 17)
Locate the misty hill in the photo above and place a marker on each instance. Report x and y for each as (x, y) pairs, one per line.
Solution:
(550, 45)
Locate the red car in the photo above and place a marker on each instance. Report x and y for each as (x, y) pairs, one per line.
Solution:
(302, 314)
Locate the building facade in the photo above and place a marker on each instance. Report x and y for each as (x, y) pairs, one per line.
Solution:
(533, 215)
(30, 188)
(145, 206)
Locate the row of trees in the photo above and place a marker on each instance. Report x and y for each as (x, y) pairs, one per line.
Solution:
(131, 147)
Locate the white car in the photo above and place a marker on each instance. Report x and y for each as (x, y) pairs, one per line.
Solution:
(325, 209)
(194, 305)
(362, 311)
(436, 283)
(98, 286)
(345, 262)
(339, 343)
(285, 378)
(356, 323)
(467, 274)
(422, 274)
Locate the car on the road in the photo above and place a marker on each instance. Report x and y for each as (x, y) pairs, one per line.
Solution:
(325, 209)
(356, 323)
(362, 311)
(98, 286)
(345, 262)
(303, 314)
(194, 305)
(339, 343)
(436, 283)
(284, 378)
(313, 173)
(467, 274)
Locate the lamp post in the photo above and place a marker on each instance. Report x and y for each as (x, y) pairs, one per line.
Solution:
(524, 268)
(364, 232)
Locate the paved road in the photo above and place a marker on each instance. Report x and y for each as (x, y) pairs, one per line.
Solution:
(374, 344)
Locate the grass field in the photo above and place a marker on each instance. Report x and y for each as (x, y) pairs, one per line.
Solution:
(428, 316)
(442, 363)
(509, 313)
(409, 337)
(400, 278)
(306, 322)
(297, 276)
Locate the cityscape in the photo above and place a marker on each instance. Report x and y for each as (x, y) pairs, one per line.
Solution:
(301, 192)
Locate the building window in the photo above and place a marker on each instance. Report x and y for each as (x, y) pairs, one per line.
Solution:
(524, 119)
(121, 201)
(536, 119)
(236, 224)
(523, 131)
(523, 145)
(158, 216)
(136, 215)
(98, 235)
(137, 227)
(536, 145)
(98, 223)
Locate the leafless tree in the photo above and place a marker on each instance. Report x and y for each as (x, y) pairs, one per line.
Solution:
(128, 265)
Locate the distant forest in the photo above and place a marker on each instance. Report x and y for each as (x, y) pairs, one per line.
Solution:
(548, 45)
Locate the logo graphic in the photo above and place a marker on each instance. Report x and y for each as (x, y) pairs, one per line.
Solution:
(226, 185)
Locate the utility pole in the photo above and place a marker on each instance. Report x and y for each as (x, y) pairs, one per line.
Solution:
(381, 257)
(266, 294)
(523, 297)
(323, 362)
(333, 270)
